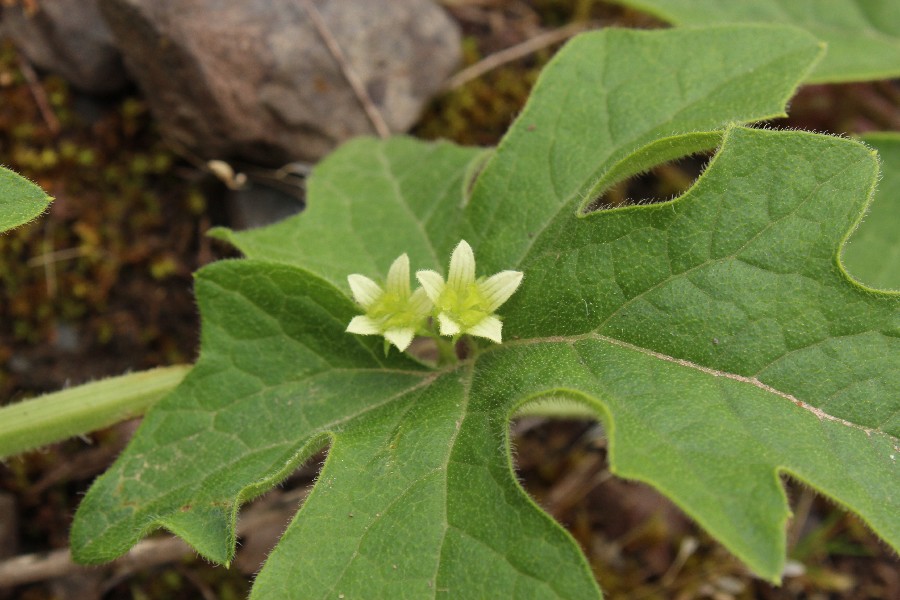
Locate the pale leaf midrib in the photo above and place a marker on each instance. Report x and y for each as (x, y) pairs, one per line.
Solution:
(820, 414)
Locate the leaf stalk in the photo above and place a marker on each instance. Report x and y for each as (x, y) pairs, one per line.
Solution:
(75, 411)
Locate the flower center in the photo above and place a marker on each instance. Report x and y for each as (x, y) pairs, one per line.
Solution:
(392, 311)
(465, 304)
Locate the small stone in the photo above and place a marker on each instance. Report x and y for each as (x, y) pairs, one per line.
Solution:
(252, 79)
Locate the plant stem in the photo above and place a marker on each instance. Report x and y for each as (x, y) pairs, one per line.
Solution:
(471, 347)
(446, 351)
(54, 417)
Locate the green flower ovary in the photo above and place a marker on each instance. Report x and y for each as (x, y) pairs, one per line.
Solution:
(392, 311)
(464, 304)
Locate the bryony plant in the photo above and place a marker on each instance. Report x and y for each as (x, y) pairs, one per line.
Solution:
(716, 335)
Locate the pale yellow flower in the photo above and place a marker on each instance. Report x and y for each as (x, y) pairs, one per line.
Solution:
(465, 304)
(396, 312)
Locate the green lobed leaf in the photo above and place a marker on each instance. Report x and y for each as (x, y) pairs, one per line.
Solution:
(740, 275)
(641, 94)
(873, 251)
(236, 415)
(863, 36)
(20, 200)
(716, 336)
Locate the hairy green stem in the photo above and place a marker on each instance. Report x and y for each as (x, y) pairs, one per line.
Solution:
(54, 417)
(446, 351)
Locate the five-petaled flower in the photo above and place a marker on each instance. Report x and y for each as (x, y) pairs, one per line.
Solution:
(465, 304)
(395, 312)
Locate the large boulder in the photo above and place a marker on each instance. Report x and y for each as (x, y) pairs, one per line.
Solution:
(66, 37)
(253, 79)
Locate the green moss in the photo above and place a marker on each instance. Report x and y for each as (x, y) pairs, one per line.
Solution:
(479, 112)
(119, 205)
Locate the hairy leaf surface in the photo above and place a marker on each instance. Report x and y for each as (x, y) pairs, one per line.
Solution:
(863, 36)
(716, 336)
(20, 200)
(873, 251)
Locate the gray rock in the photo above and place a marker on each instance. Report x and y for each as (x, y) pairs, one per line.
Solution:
(69, 38)
(252, 79)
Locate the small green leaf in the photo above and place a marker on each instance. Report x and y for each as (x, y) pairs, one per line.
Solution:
(20, 200)
(873, 251)
(863, 36)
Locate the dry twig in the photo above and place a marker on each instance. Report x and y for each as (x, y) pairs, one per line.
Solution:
(31, 568)
(40, 96)
(350, 75)
(516, 52)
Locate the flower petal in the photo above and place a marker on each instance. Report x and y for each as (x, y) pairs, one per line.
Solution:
(497, 289)
(398, 277)
(448, 325)
(419, 303)
(401, 338)
(363, 325)
(365, 291)
(462, 266)
(489, 327)
(432, 283)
